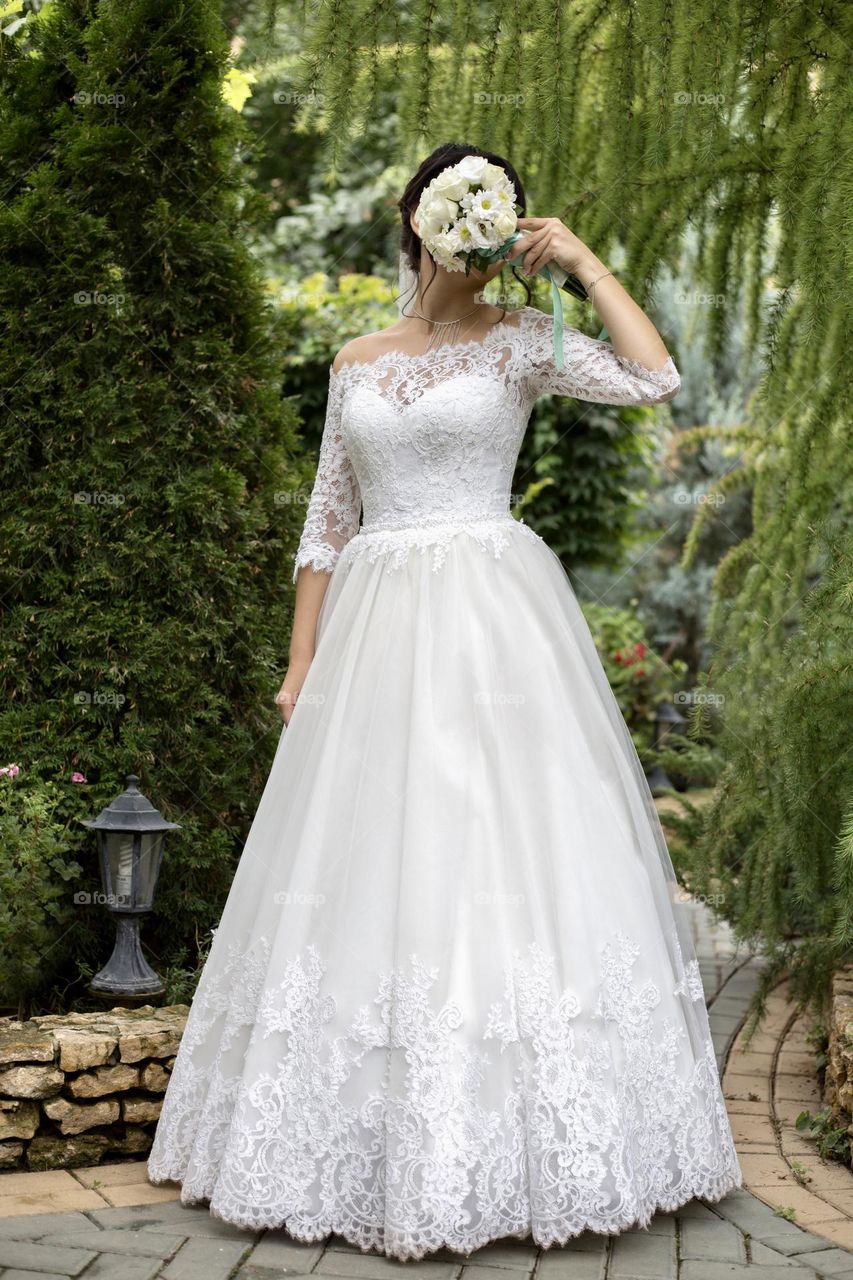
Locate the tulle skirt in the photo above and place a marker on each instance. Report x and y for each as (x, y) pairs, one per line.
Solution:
(452, 996)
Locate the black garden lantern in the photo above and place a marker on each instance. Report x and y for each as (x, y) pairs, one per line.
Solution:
(668, 721)
(131, 833)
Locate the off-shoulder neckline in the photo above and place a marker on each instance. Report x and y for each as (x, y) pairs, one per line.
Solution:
(394, 354)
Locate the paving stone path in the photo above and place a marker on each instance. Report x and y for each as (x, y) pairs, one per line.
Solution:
(738, 1237)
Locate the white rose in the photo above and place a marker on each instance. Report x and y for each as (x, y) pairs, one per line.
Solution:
(496, 177)
(472, 168)
(504, 223)
(435, 214)
(444, 247)
(449, 183)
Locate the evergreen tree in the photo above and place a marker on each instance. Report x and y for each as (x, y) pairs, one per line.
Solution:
(147, 452)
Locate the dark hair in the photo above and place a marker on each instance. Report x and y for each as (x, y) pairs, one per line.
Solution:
(449, 153)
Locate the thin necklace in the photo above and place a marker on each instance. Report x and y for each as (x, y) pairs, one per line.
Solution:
(444, 328)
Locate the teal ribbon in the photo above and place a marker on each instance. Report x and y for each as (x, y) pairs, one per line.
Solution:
(494, 255)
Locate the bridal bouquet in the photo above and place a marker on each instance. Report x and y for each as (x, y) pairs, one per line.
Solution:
(468, 217)
(467, 214)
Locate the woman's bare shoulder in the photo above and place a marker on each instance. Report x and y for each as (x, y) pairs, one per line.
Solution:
(369, 347)
(398, 337)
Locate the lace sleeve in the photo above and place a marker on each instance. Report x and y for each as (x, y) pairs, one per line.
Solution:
(592, 370)
(335, 503)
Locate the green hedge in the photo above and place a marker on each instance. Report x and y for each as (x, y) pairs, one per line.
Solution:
(149, 460)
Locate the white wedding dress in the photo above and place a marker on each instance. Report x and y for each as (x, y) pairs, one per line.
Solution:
(452, 996)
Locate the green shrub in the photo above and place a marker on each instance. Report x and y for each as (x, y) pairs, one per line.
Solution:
(37, 874)
(778, 837)
(639, 678)
(316, 315)
(148, 455)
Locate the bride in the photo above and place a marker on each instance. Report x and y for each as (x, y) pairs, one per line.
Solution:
(452, 996)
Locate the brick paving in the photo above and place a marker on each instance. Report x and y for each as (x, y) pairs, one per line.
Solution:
(767, 1084)
(102, 1239)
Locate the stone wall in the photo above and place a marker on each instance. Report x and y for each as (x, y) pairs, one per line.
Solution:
(79, 1088)
(838, 1081)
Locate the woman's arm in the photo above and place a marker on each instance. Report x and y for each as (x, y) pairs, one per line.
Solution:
(632, 333)
(331, 520)
(311, 587)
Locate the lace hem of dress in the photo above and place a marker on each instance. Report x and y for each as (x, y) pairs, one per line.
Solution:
(395, 545)
(706, 1189)
(406, 1133)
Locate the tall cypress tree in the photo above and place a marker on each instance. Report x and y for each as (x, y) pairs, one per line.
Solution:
(147, 451)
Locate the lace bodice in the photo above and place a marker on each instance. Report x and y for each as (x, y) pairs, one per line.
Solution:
(432, 439)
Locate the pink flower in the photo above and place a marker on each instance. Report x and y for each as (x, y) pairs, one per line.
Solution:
(79, 777)
(10, 770)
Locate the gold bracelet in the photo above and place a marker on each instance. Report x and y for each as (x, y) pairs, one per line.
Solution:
(591, 287)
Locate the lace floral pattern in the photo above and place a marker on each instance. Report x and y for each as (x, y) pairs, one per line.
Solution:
(434, 437)
(690, 977)
(433, 539)
(333, 510)
(402, 1129)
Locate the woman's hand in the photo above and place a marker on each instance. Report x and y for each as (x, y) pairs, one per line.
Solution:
(632, 333)
(550, 240)
(294, 678)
